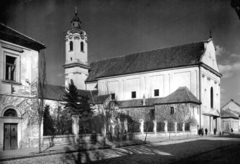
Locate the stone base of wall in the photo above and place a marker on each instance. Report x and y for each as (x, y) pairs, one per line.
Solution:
(141, 136)
(70, 139)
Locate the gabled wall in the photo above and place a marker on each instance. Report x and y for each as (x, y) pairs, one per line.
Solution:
(232, 106)
(209, 56)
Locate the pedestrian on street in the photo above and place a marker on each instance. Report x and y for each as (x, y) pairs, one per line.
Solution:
(215, 131)
(206, 131)
(202, 131)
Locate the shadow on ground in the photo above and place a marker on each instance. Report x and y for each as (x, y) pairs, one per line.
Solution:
(151, 153)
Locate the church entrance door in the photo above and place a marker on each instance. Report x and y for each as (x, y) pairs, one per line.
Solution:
(10, 136)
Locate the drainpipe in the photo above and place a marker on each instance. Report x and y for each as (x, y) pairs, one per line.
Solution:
(200, 97)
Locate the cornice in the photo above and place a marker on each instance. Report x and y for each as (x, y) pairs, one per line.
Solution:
(76, 64)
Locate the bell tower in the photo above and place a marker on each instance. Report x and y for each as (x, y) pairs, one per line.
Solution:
(76, 52)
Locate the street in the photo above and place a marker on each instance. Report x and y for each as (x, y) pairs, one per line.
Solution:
(166, 152)
(210, 149)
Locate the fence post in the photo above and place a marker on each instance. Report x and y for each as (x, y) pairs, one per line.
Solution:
(155, 126)
(183, 127)
(75, 127)
(126, 125)
(119, 133)
(141, 125)
(175, 127)
(165, 126)
(126, 129)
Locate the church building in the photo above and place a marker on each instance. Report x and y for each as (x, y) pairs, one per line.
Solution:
(163, 82)
(180, 74)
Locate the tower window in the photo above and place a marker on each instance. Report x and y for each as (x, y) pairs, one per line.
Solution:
(156, 92)
(71, 46)
(82, 46)
(211, 97)
(171, 110)
(133, 94)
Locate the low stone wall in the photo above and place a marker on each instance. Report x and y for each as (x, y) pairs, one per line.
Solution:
(70, 139)
(141, 136)
(92, 138)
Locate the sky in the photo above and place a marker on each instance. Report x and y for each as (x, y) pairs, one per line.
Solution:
(121, 27)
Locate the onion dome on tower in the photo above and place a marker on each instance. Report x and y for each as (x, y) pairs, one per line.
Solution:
(76, 22)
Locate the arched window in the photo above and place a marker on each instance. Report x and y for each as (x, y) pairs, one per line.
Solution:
(71, 46)
(10, 113)
(211, 97)
(82, 46)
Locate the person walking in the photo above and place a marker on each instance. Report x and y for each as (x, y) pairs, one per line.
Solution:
(206, 131)
(202, 131)
(215, 131)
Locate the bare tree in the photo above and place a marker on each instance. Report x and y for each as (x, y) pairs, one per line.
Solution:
(149, 117)
(41, 84)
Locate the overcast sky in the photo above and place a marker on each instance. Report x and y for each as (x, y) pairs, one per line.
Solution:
(121, 27)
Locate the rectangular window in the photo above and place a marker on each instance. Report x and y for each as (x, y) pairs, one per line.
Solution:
(133, 94)
(172, 110)
(10, 69)
(113, 96)
(156, 92)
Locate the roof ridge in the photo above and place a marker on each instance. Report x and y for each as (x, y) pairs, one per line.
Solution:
(22, 34)
(236, 103)
(95, 61)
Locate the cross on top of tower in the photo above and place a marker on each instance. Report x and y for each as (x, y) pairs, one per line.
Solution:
(75, 10)
(76, 23)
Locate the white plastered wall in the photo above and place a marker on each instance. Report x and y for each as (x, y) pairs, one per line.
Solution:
(167, 81)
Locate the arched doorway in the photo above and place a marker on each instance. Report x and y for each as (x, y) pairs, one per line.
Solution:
(10, 131)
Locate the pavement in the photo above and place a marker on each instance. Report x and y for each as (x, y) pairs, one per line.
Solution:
(57, 149)
(63, 149)
(156, 150)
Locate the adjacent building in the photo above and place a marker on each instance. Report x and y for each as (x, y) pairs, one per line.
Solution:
(19, 56)
(230, 114)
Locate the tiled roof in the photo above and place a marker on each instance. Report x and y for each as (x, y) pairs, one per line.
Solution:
(139, 102)
(228, 114)
(182, 55)
(100, 99)
(53, 92)
(13, 36)
(181, 95)
(98, 67)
